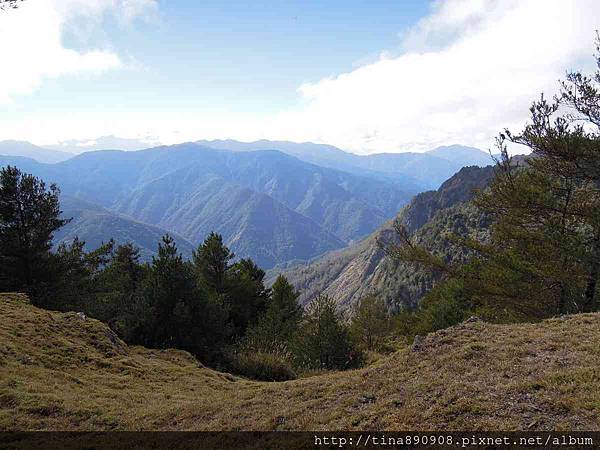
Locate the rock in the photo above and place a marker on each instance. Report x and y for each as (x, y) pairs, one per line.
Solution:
(417, 344)
(473, 319)
(367, 398)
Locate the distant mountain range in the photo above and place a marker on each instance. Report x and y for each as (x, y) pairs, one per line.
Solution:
(415, 171)
(28, 150)
(282, 203)
(76, 146)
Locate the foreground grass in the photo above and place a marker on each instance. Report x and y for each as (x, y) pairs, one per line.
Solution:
(61, 372)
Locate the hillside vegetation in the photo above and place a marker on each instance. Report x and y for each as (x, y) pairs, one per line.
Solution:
(60, 371)
(349, 274)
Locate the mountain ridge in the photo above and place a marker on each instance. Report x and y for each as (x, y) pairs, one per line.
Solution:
(443, 161)
(312, 209)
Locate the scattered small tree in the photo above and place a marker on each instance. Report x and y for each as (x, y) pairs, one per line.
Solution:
(371, 323)
(323, 341)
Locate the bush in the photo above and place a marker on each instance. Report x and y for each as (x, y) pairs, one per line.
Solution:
(262, 366)
(444, 306)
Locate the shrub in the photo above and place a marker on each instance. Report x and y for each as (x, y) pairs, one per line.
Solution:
(262, 366)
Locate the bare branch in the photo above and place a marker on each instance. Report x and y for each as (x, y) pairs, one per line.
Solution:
(9, 4)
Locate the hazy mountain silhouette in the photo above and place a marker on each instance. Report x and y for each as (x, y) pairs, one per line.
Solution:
(413, 171)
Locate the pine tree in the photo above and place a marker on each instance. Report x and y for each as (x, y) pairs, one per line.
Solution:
(121, 303)
(29, 216)
(371, 323)
(323, 341)
(77, 277)
(246, 294)
(170, 283)
(280, 321)
(212, 261)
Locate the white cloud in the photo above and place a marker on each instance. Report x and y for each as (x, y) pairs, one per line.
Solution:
(466, 71)
(469, 69)
(32, 47)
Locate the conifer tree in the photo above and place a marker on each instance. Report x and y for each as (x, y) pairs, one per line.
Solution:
(170, 282)
(281, 319)
(246, 294)
(323, 341)
(29, 216)
(77, 276)
(370, 323)
(212, 261)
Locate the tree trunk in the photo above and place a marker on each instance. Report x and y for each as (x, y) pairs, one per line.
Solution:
(592, 279)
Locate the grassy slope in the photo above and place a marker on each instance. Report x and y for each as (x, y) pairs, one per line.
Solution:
(58, 371)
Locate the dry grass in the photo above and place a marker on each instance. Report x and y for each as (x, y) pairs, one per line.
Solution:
(60, 372)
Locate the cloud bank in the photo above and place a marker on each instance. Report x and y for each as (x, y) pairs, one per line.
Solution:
(466, 71)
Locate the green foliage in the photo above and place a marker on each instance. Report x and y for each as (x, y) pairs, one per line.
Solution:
(212, 262)
(444, 306)
(246, 294)
(323, 341)
(280, 321)
(371, 323)
(77, 277)
(183, 313)
(29, 216)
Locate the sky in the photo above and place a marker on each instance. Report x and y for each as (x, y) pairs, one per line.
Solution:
(366, 76)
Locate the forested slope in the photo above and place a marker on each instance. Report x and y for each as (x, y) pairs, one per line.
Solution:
(349, 274)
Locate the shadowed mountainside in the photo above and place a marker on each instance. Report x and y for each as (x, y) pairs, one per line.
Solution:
(96, 225)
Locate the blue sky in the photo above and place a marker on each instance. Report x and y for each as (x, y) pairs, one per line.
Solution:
(364, 75)
(248, 56)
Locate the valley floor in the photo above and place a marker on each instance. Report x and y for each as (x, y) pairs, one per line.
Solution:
(59, 371)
